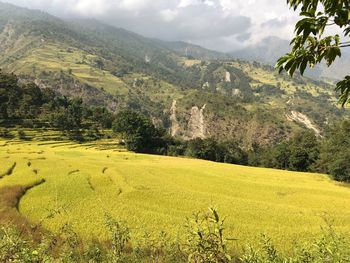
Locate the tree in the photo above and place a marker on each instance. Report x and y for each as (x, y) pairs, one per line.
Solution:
(31, 100)
(308, 141)
(233, 153)
(138, 131)
(207, 149)
(299, 159)
(68, 115)
(311, 46)
(10, 93)
(281, 155)
(335, 152)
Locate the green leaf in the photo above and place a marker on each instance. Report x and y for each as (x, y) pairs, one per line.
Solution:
(303, 66)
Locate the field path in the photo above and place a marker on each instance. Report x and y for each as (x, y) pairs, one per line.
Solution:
(10, 197)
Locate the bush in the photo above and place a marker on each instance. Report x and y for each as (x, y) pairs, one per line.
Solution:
(28, 123)
(21, 135)
(206, 242)
(14, 248)
(120, 233)
(330, 247)
(5, 133)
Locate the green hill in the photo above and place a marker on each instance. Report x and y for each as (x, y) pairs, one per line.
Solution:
(189, 90)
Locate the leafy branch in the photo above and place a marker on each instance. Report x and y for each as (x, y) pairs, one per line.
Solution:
(310, 47)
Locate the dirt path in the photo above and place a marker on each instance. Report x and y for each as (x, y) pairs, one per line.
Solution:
(10, 197)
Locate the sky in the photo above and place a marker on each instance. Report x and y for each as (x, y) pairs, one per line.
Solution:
(224, 25)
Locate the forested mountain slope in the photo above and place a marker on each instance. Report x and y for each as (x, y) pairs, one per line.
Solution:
(187, 89)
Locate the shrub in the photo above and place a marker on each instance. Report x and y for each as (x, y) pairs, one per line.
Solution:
(206, 242)
(120, 234)
(5, 133)
(27, 123)
(21, 135)
(14, 248)
(330, 247)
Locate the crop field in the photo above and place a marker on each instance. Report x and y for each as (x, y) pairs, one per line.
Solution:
(80, 183)
(55, 58)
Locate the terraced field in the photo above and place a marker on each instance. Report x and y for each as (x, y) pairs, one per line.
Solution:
(55, 58)
(63, 182)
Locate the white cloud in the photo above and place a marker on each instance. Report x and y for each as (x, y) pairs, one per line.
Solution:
(186, 3)
(90, 7)
(214, 23)
(169, 15)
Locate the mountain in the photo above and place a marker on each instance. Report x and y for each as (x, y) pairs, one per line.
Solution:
(267, 51)
(270, 49)
(191, 91)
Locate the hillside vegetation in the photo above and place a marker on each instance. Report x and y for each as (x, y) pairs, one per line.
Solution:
(191, 91)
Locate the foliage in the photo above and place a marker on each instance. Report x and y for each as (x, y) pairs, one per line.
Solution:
(138, 131)
(310, 46)
(300, 153)
(29, 104)
(330, 247)
(14, 248)
(335, 152)
(206, 242)
(120, 233)
(21, 135)
(211, 149)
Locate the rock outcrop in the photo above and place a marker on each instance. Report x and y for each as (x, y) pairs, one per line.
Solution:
(303, 119)
(175, 126)
(196, 124)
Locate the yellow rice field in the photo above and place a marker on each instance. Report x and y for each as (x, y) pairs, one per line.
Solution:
(84, 182)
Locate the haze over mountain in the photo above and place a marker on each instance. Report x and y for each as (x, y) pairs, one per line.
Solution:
(189, 90)
(216, 24)
(268, 51)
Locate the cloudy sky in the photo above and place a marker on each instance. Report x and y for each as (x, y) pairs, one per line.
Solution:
(223, 25)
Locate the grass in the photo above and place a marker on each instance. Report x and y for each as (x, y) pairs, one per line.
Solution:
(154, 193)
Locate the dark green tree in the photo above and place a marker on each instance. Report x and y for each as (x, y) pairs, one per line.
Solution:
(31, 101)
(335, 152)
(67, 115)
(138, 131)
(311, 46)
(281, 155)
(299, 159)
(233, 153)
(207, 149)
(10, 94)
